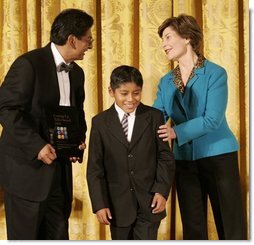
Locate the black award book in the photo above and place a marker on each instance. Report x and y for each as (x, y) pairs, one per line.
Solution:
(64, 131)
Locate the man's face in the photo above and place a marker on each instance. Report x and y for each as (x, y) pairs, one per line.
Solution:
(82, 45)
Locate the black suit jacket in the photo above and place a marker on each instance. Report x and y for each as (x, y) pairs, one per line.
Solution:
(121, 175)
(30, 87)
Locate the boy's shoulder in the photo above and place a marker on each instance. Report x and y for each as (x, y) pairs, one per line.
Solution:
(149, 109)
(101, 115)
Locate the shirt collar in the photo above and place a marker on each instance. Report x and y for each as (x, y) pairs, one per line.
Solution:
(121, 112)
(199, 64)
(57, 56)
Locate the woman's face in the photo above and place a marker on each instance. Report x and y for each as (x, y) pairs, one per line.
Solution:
(174, 46)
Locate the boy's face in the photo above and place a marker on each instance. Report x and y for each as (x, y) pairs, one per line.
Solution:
(127, 96)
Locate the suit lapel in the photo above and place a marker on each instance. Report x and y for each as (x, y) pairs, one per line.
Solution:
(50, 77)
(192, 81)
(179, 100)
(175, 92)
(72, 90)
(75, 82)
(115, 127)
(142, 120)
(198, 72)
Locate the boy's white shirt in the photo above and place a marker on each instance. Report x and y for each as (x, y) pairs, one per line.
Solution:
(131, 120)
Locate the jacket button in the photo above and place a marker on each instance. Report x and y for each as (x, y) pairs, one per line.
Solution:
(130, 155)
(131, 189)
(132, 172)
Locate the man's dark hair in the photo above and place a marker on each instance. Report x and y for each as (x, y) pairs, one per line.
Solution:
(123, 74)
(70, 21)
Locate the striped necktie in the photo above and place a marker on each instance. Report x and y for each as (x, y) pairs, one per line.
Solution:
(124, 123)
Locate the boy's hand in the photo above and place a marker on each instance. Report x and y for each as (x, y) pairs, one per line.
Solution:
(158, 203)
(103, 216)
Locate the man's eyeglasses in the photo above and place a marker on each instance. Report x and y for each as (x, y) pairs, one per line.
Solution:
(89, 40)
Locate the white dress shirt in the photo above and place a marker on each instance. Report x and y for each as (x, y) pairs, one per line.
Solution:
(63, 78)
(131, 120)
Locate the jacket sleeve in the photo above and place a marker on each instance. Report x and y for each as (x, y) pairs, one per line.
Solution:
(214, 113)
(165, 165)
(97, 185)
(159, 101)
(16, 94)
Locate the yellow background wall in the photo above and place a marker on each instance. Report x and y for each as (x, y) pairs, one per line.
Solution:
(125, 32)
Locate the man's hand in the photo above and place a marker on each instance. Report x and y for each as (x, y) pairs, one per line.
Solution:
(75, 159)
(47, 154)
(103, 216)
(158, 203)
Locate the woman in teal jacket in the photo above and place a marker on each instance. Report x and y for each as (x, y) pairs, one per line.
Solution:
(194, 96)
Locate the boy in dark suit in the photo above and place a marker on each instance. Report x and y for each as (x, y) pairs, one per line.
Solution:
(130, 169)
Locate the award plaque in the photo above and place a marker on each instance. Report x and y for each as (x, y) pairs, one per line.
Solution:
(65, 133)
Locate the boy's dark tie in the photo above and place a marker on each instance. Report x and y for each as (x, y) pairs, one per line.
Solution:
(125, 124)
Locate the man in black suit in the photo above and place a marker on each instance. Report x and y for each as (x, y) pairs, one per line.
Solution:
(38, 182)
(130, 169)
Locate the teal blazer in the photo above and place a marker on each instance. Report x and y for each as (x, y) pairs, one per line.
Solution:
(199, 114)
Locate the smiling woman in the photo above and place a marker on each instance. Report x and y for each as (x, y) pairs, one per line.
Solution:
(194, 96)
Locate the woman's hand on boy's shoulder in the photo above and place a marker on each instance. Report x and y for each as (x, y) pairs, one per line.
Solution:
(166, 132)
